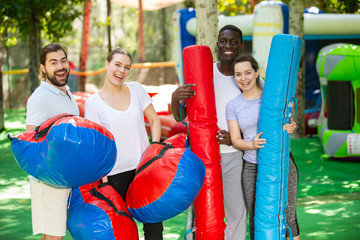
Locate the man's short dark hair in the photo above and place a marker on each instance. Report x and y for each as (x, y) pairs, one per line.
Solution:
(233, 28)
(52, 47)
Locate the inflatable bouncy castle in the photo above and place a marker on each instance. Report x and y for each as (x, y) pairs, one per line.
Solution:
(339, 122)
(321, 121)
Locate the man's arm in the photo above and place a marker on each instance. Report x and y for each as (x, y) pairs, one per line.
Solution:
(180, 95)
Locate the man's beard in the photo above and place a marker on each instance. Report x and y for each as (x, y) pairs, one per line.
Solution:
(53, 79)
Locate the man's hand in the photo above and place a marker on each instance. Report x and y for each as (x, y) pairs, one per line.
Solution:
(223, 137)
(178, 98)
(183, 92)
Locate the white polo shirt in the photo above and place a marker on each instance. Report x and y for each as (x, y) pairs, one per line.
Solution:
(47, 102)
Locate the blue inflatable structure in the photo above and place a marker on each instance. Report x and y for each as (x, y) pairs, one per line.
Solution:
(275, 112)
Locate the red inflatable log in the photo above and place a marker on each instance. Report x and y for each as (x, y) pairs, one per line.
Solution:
(201, 110)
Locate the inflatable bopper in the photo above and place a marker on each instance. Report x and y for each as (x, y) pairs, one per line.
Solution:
(66, 151)
(275, 111)
(201, 110)
(166, 183)
(97, 211)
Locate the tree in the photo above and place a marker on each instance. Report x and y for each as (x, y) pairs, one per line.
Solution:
(296, 27)
(206, 30)
(7, 39)
(84, 44)
(2, 120)
(36, 19)
(108, 21)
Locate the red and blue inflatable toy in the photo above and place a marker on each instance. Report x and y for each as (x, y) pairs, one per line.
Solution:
(97, 211)
(166, 183)
(66, 151)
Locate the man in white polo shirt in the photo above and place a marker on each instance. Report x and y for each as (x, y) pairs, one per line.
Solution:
(51, 98)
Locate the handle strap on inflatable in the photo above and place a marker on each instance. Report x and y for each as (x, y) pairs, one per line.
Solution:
(290, 233)
(101, 196)
(187, 145)
(10, 137)
(160, 155)
(294, 100)
(181, 117)
(44, 131)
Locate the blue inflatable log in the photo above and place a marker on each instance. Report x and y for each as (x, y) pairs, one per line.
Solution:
(275, 112)
(66, 151)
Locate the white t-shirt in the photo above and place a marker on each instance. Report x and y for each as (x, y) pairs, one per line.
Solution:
(225, 90)
(47, 102)
(127, 127)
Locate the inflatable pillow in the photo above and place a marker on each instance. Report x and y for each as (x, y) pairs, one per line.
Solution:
(166, 183)
(97, 211)
(66, 151)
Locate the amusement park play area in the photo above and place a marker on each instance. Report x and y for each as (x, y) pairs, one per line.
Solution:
(327, 156)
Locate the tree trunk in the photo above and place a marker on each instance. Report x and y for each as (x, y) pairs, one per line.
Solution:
(207, 24)
(296, 23)
(2, 112)
(109, 22)
(164, 35)
(84, 44)
(34, 49)
(141, 33)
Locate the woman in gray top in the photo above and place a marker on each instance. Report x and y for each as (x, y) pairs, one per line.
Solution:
(242, 114)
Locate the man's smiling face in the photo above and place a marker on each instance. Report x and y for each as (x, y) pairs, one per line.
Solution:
(229, 45)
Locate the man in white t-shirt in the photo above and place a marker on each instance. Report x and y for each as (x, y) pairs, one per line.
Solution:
(229, 47)
(51, 98)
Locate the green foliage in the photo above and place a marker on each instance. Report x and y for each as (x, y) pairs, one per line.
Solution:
(332, 6)
(189, 3)
(342, 6)
(234, 7)
(237, 7)
(55, 18)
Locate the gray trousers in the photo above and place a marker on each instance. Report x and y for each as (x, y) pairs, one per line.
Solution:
(234, 201)
(249, 185)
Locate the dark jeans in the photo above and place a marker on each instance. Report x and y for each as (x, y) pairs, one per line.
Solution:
(120, 182)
